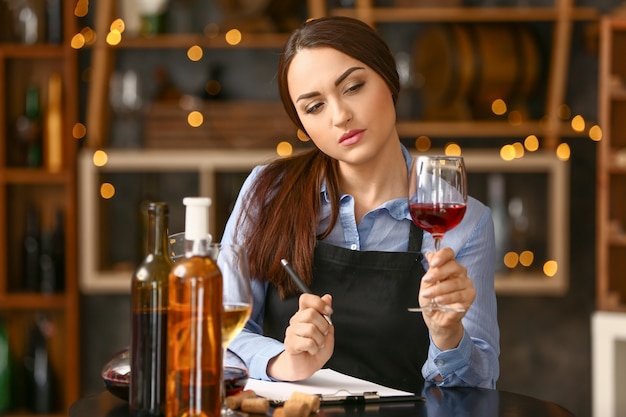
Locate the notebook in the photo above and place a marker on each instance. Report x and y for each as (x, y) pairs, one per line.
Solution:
(332, 387)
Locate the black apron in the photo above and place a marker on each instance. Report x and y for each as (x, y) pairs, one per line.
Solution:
(376, 338)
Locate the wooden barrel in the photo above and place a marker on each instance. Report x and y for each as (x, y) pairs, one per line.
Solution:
(464, 67)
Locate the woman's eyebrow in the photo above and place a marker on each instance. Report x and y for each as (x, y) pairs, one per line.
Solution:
(346, 74)
(338, 81)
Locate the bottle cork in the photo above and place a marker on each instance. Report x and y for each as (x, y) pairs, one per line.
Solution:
(313, 401)
(234, 401)
(296, 408)
(255, 405)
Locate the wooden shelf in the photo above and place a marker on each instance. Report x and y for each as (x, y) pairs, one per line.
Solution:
(38, 51)
(20, 187)
(466, 14)
(611, 175)
(617, 240)
(26, 301)
(179, 41)
(618, 94)
(33, 176)
(28, 414)
(480, 129)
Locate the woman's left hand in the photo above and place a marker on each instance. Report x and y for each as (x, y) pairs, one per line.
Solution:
(447, 282)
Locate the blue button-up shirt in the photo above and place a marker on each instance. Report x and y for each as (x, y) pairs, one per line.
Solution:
(475, 361)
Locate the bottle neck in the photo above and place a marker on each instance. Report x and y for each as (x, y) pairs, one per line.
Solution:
(197, 247)
(157, 229)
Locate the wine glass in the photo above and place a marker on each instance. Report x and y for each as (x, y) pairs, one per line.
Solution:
(437, 201)
(232, 261)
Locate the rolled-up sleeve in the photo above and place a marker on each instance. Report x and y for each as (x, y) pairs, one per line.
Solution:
(475, 362)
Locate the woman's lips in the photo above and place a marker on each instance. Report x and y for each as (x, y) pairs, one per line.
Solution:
(351, 137)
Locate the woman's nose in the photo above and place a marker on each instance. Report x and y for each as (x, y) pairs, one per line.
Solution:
(341, 114)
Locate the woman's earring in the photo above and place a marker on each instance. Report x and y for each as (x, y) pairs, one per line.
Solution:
(302, 136)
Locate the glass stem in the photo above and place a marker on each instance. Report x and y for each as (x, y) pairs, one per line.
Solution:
(437, 243)
(223, 386)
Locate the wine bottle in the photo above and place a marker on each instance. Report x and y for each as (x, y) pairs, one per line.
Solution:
(29, 131)
(5, 370)
(40, 381)
(53, 134)
(32, 250)
(54, 20)
(148, 340)
(194, 362)
(52, 258)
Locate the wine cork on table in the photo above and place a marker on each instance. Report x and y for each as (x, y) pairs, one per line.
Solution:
(234, 401)
(255, 405)
(313, 401)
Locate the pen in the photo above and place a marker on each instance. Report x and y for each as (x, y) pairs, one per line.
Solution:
(296, 278)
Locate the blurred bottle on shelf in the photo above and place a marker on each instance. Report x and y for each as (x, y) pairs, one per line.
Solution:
(39, 378)
(28, 17)
(52, 258)
(28, 131)
(152, 14)
(149, 304)
(53, 134)
(31, 250)
(5, 370)
(54, 21)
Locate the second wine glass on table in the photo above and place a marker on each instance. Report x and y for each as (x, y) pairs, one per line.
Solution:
(437, 201)
(237, 300)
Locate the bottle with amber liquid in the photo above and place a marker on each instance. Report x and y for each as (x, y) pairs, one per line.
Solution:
(194, 362)
(149, 304)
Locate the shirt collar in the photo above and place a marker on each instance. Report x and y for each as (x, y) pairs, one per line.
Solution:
(398, 208)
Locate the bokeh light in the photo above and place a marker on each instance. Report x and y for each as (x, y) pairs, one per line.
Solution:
(595, 133)
(423, 143)
(233, 37)
(195, 119)
(498, 107)
(107, 190)
(510, 259)
(284, 149)
(114, 37)
(550, 268)
(452, 149)
(79, 131)
(531, 143)
(100, 158)
(563, 152)
(578, 123)
(526, 258)
(195, 53)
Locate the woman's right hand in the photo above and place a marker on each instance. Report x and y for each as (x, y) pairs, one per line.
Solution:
(309, 340)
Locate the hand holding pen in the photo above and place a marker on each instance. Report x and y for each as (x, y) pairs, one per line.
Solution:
(301, 285)
(309, 340)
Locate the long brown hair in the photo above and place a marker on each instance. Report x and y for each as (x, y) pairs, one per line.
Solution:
(281, 209)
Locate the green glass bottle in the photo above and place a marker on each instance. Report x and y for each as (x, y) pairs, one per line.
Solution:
(29, 130)
(5, 370)
(149, 299)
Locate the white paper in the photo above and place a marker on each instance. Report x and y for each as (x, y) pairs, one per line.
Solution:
(323, 382)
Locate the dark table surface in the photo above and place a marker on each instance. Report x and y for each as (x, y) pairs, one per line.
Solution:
(450, 402)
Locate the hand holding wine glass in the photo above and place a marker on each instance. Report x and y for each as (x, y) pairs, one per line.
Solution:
(437, 201)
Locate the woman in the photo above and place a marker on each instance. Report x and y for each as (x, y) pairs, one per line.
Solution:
(339, 214)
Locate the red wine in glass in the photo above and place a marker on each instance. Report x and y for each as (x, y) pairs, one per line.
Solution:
(437, 201)
(437, 219)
